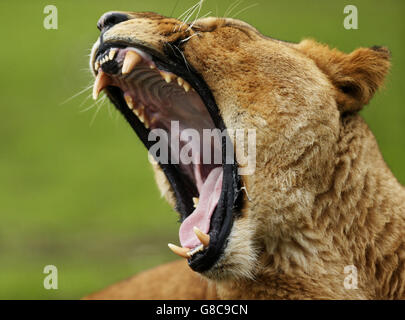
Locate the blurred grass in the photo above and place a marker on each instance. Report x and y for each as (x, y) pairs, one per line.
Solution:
(78, 192)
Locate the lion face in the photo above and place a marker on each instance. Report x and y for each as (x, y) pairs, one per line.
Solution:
(222, 74)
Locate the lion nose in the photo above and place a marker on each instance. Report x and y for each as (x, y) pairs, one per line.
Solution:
(110, 19)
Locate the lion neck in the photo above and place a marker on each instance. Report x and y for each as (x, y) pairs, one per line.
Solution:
(356, 220)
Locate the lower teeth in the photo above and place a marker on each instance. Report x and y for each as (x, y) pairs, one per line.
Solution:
(195, 250)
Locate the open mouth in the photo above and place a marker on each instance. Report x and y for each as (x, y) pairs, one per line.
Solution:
(162, 93)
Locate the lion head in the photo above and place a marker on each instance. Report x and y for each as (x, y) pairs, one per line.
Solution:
(220, 73)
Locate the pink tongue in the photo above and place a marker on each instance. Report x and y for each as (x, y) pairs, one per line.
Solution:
(201, 216)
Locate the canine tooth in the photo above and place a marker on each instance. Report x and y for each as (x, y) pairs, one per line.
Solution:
(195, 201)
(102, 81)
(180, 81)
(182, 252)
(186, 86)
(96, 65)
(203, 237)
(129, 101)
(112, 53)
(130, 61)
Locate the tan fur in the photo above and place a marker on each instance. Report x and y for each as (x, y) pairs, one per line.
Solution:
(322, 197)
(169, 281)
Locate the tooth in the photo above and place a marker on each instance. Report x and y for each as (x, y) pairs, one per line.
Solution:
(182, 252)
(167, 76)
(112, 53)
(130, 61)
(102, 81)
(180, 81)
(186, 86)
(152, 66)
(129, 101)
(97, 65)
(203, 237)
(146, 123)
(140, 113)
(195, 201)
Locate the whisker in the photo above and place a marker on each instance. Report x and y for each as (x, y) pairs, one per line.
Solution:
(192, 24)
(109, 108)
(89, 108)
(175, 6)
(184, 58)
(243, 10)
(99, 101)
(232, 7)
(85, 100)
(188, 11)
(193, 9)
(77, 94)
(188, 38)
(184, 15)
(99, 104)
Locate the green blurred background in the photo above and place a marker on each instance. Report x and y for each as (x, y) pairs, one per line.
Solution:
(76, 189)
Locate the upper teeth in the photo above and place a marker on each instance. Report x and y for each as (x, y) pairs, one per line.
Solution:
(167, 76)
(102, 81)
(112, 53)
(108, 56)
(131, 60)
(129, 101)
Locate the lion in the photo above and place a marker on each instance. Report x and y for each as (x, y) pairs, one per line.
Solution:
(321, 217)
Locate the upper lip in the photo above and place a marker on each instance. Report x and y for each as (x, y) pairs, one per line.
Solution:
(230, 199)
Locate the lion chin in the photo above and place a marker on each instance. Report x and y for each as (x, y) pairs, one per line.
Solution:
(321, 204)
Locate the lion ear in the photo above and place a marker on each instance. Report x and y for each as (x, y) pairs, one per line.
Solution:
(357, 75)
